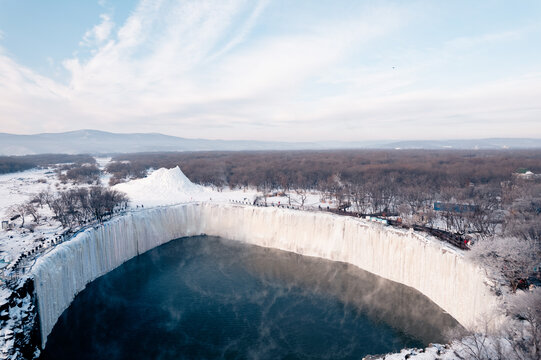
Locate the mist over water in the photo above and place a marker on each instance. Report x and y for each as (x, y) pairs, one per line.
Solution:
(210, 298)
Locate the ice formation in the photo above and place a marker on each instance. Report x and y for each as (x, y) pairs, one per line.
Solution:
(431, 267)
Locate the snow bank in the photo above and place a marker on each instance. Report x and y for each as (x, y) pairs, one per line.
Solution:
(162, 187)
(171, 186)
(431, 267)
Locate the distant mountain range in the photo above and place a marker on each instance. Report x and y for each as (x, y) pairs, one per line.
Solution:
(101, 142)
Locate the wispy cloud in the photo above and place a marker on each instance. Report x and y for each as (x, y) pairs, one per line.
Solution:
(244, 31)
(99, 33)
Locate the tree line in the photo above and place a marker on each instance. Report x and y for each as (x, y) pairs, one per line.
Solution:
(10, 164)
(372, 181)
(78, 173)
(311, 169)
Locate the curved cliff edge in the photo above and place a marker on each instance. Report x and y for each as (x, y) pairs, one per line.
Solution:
(438, 271)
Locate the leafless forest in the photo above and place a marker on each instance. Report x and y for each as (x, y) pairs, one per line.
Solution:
(9, 164)
(314, 169)
(404, 182)
(481, 194)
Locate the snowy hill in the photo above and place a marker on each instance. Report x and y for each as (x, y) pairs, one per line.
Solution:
(163, 187)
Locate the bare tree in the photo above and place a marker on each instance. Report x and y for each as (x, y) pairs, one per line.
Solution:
(19, 211)
(265, 187)
(31, 210)
(103, 201)
(359, 197)
(486, 343)
(382, 193)
(484, 217)
(76, 206)
(342, 196)
(415, 197)
(39, 199)
(514, 258)
(58, 210)
(526, 306)
(302, 195)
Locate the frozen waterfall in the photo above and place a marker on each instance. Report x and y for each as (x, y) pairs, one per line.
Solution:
(426, 264)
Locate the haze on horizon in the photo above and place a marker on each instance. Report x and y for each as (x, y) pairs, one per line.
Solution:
(273, 70)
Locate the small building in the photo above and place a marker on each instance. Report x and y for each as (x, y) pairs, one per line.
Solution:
(525, 174)
(5, 225)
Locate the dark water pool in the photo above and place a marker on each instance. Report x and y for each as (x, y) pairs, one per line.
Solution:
(211, 298)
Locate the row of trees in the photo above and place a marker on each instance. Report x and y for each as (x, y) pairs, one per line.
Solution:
(312, 169)
(78, 206)
(73, 207)
(123, 171)
(79, 173)
(9, 164)
(399, 182)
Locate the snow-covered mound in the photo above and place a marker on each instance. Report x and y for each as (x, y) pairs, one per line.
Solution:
(163, 187)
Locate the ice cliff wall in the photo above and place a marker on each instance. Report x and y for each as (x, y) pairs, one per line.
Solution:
(427, 265)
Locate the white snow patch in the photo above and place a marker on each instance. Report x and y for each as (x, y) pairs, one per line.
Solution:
(162, 187)
(171, 186)
(16, 188)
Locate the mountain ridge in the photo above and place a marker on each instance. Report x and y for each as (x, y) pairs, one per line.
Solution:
(102, 142)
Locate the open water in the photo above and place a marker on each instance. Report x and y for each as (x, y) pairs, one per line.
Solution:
(211, 298)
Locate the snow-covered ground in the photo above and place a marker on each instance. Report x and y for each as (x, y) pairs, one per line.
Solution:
(20, 187)
(313, 200)
(102, 163)
(17, 188)
(433, 352)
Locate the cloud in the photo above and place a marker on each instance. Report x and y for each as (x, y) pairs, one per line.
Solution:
(244, 30)
(99, 33)
(28, 100)
(471, 41)
(242, 69)
(171, 57)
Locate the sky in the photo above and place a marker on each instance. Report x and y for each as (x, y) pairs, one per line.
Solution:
(284, 70)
